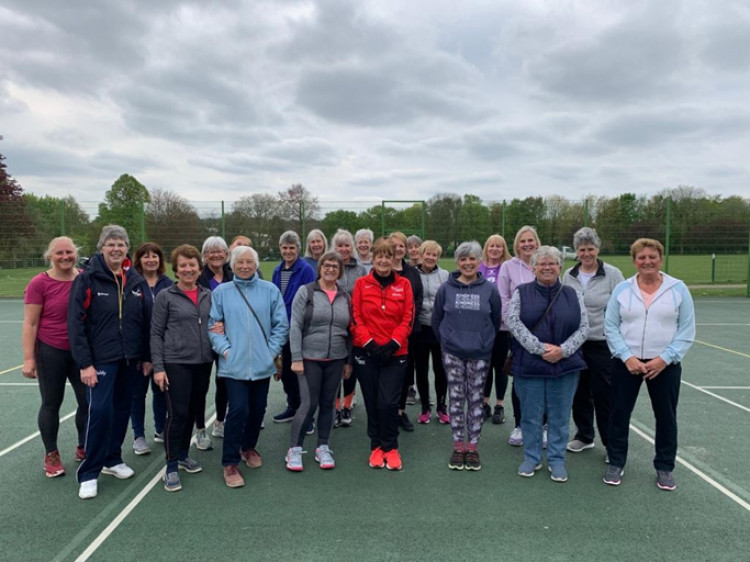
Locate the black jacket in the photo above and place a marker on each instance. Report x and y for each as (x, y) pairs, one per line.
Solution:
(99, 329)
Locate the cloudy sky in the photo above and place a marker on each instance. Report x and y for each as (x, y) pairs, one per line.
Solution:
(369, 100)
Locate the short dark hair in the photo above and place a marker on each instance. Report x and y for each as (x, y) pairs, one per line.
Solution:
(144, 249)
(185, 251)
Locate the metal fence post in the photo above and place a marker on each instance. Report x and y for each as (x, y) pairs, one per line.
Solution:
(586, 212)
(223, 222)
(62, 217)
(143, 221)
(502, 233)
(668, 235)
(747, 284)
(302, 220)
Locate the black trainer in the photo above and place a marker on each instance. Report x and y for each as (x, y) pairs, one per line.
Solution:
(405, 423)
(498, 416)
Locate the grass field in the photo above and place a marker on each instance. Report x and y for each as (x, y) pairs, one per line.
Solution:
(691, 269)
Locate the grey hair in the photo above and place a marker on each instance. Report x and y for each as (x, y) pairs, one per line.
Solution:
(241, 251)
(113, 231)
(586, 235)
(467, 250)
(342, 235)
(290, 237)
(365, 232)
(315, 233)
(413, 240)
(214, 243)
(546, 252)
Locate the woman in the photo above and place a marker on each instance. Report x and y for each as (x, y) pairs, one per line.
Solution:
(426, 341)
(650, 325)
(255, 328)
(46, 349)
(363, 239)
(595, 280)
(149, 262)
(382, 317)
(216, 271)
(409, 393)
(316, 246)
(467, 317)
(514, 272)
(182, 372)
(548, 321)
(291, 274)
(343, 244)
(413, 243)
(240, 240)
(494, 254)
(108, 330)
(320, 346)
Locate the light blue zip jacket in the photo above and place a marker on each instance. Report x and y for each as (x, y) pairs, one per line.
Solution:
(250, 357)
(666, 329)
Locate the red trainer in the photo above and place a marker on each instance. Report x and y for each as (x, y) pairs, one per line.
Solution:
(233, 476)
(80, 454)
(252, 458)
(376, 458)
(53, 465)
(393, 460)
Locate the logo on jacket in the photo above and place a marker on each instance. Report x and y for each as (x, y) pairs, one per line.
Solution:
(137, 293)
(467, 301)
(102, 294)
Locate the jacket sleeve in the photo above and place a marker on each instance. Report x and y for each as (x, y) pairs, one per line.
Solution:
(78, 307)
(503, 286)
(496, 308)
(438, 311)
(159, 317)
(403, 329)
(612, 321)
(685, 336)
(219, 342)
(147, 306)
(279, 324)
(576, 339)
(523, 335)
(299, 308)
(359, 329)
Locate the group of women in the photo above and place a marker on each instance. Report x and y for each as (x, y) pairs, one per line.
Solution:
(359, 310)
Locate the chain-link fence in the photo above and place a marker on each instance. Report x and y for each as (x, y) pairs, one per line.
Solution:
(706, 243)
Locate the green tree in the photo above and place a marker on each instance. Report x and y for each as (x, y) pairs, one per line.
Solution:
(298, 207)
(16, 227)
(257, 216)
(348, 220)
(473, 220)
(443, 216)
(171, 220)
(54, 216)
(124, 205)
(521, 212)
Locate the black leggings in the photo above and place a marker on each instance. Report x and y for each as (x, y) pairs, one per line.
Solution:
(499, 354)
(55, 367)
(425, 343)
(318, 385)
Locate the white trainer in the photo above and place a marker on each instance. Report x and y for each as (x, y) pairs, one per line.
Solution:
(121, 471)
(88, 489)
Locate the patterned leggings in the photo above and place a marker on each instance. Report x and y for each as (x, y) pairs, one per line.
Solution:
(465, 388)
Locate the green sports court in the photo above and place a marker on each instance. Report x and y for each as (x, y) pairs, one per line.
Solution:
(425, 512)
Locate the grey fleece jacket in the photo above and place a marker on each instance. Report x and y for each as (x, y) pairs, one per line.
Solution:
(430, 284)
(179, 329)
(596, 294)
(327, 334)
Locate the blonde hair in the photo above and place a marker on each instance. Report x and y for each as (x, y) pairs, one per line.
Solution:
(642, 243)
(51, 247)
(430, 246)
(525, 228)
(496, 239)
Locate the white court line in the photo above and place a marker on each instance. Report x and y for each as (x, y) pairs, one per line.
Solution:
(19, 384)
(126, 511)
(726, 387)
(745, 355)
(702, 475)
(30, 437)
(722, 324)
(701, 389)
(11, 369)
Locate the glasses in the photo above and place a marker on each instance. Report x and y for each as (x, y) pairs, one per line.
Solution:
(547, 265)
(331, 266)
(113, 245)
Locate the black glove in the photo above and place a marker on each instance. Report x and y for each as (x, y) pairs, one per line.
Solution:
(371, 349)
(386, 351)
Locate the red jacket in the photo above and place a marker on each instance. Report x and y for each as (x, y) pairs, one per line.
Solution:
(382, 314)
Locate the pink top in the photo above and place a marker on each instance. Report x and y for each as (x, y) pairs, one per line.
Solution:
(513, 273)
(331, 294)
(193, 295)
(52, 295)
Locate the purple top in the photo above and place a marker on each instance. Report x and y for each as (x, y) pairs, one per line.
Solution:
(513, 273)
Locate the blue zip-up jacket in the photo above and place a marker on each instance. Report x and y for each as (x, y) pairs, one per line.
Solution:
(250, 355)
(565, 325)
(302, 274)
(466, 318)
(97, 331)
(666, 329)
(149, 294)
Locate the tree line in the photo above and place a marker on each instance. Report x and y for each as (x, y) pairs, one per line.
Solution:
(695, 221)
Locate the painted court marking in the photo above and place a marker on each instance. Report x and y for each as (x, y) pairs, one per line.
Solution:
(745, 355)
(11, 369)
(30, 437)
(700, 474)
(727, 387)
(701, 389)
(99, 540)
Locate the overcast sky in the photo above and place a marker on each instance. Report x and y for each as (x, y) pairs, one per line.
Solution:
(389, 99)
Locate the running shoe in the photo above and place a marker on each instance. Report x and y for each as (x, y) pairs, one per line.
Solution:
(498, 416)
(376, 458)
(285, 416)
(411, 396)
(80, 454)
(472, 460)
(218, 430)
(294, 459)
(613, 475)
(252, 458)
(558, 473)
(140, 446)
(393, 460)
(665, 480)
(405, 422)
(189, 465)
(53, 466)
(120, 471)
(203, 441)
(346, 417)
(88, 489)
(424, 417)
(457, 460)
(577, 445)
(516, 437)
(528, 469)
(324, 457)
(233, 477)
(442, 415)
(172, 481)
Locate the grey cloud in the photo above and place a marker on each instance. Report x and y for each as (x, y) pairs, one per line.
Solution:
(727, 46)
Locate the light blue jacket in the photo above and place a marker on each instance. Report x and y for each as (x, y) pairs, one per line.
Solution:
(666, 329)
(250, 356)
